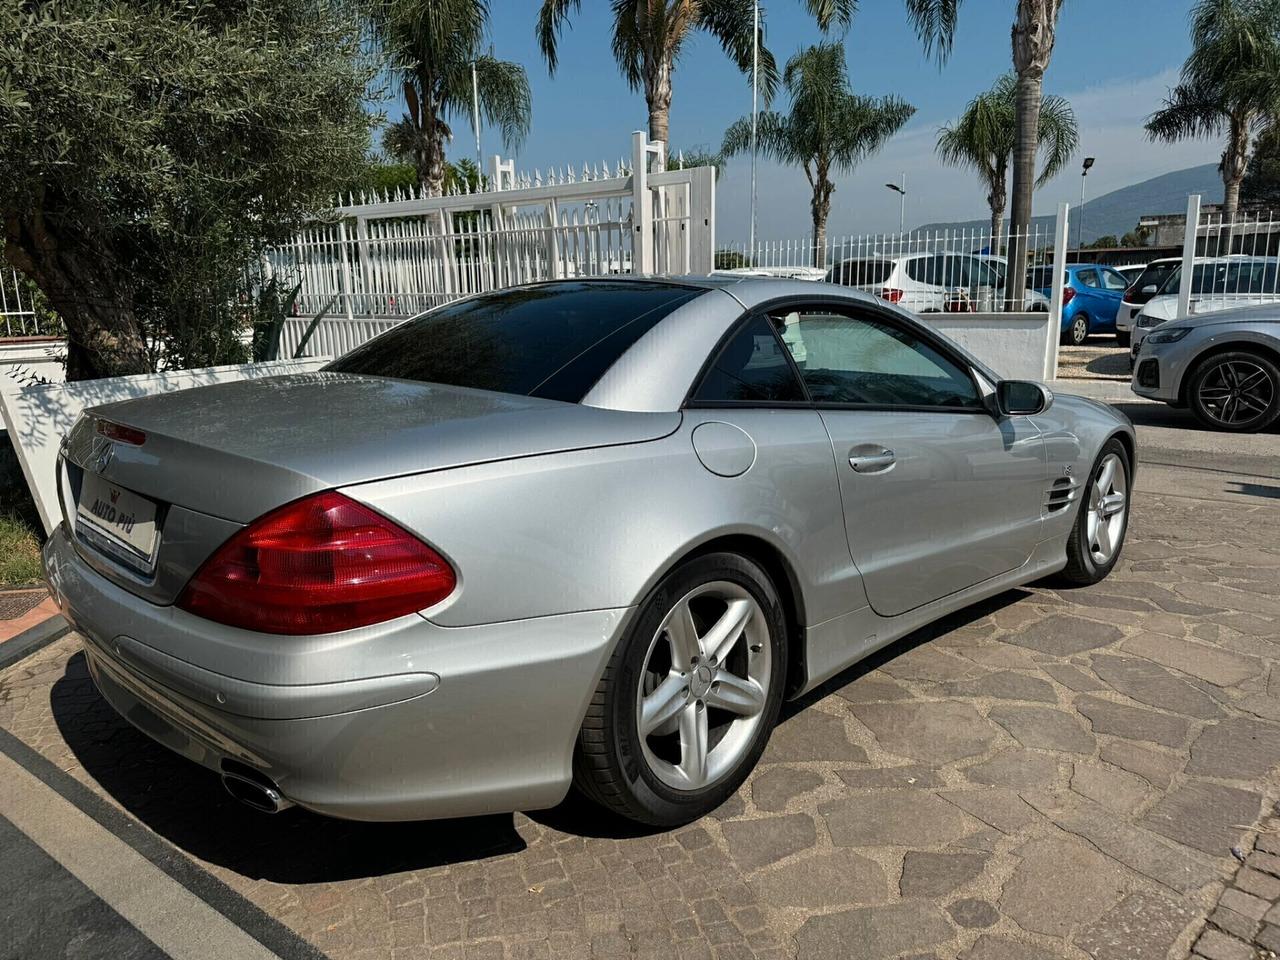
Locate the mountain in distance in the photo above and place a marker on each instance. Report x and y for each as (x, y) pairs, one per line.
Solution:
(1119, 211)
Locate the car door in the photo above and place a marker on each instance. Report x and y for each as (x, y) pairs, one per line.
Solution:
(1093, 301)
(938, 494)
(1113, 288)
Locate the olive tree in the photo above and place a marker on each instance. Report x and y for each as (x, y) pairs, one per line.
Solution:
(150, 150)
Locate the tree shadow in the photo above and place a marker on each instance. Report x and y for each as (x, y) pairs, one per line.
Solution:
(186, 805)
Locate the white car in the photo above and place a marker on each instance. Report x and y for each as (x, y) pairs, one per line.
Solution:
(1140, 290)
(932, 282)
(1218, 283)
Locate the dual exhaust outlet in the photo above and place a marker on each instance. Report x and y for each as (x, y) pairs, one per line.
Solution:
(252, 788)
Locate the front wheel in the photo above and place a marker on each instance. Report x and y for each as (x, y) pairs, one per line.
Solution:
(1102, 518)
(1238, 392)
(690, 695)
(1076, 334)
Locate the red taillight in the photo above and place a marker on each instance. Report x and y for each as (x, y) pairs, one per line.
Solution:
(318, 565)
(118, 431)
(1067, 293)
(892, 294)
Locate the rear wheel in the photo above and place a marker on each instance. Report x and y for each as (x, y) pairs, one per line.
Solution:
(1237, 391)
(1102, 518)
(1076, 334)
(689, 697)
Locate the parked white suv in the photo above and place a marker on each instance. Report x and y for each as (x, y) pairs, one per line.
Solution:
(1139, 292)
(932, 282)
(1217, 283)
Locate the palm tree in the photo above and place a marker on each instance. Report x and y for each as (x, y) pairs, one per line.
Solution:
(1230, 84)
(649, 34)
(986, 135)
(1034, 28)
(432, 47)
(828, 129)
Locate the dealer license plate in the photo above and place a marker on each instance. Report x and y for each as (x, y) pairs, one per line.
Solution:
(125, 520)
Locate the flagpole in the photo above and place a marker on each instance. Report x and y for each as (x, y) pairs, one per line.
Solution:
(755, 96)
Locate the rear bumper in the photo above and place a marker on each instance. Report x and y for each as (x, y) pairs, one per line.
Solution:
(407, 721)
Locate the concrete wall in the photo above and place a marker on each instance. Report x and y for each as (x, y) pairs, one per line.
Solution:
(1018, 346)
(32, 359)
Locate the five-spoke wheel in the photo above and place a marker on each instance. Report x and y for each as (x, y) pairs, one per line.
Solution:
(705, 682)
(1236, 391)
(688, 698)
(1103, 517)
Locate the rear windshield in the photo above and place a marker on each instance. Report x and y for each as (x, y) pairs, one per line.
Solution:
(1154, 274)
(554, 340)
(860, 273)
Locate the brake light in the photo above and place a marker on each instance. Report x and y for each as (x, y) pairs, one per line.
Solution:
(318, 565)
(1067, 293)
(118, 431)
(892, 294)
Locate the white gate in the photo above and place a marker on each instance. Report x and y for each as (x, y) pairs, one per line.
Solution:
(384, 259)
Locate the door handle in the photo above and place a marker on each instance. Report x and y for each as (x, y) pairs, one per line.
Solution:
(872, 463)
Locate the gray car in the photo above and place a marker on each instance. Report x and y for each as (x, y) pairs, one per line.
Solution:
(584, 533)
(1224, 366)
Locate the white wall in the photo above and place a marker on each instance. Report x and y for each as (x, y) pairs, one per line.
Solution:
(1017, 346)
(31, 359)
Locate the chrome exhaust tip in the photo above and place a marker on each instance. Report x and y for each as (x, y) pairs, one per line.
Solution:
(252, 788)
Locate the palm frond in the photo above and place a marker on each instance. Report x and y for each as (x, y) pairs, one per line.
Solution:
(729, 21)
(1189, 111)
(505, 100)
(832, 12)
(1058, 135)
(774, 138)
(864, 125)
(551, 19)
(935, 25)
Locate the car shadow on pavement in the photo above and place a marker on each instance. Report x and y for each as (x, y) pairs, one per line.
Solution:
(186, 805)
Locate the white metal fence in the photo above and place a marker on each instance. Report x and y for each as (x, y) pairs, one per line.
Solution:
(388, 257)
(18, 316)
(927, 271)
(1225, 264)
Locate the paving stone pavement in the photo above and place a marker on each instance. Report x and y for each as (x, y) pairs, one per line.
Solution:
(1054, 774)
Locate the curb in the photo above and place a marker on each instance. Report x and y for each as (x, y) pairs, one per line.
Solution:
(32, 639)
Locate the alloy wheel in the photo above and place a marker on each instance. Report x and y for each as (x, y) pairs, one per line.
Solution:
(1079, 330)
(704, 686)
(1108, 502)
(1236, 392)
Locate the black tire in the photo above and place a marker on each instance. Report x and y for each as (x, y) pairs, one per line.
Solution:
(1076, 334)
(1124, 338)
(609, 765)
(1082, 566)
(1215, 397)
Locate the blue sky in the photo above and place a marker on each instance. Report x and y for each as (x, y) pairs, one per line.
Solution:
(1114, 59)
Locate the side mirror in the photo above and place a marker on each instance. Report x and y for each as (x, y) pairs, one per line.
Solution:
(1021, 398)
(1150, 288)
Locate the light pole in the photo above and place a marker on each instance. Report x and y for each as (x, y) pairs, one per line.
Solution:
(475, 115)
(1084, 172)
(755, 100)
(901, 190)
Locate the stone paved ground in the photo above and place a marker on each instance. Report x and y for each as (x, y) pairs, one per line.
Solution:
(1056, 774)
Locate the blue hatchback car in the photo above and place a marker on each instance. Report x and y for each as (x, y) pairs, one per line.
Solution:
(1090, 298)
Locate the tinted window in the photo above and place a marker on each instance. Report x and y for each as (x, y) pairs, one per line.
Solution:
(751, 367)
(860, 273)
(862, 359)
(553, 340)
(1088, 277)
(1153, 276)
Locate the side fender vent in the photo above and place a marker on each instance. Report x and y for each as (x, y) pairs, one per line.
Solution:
(1061, 495)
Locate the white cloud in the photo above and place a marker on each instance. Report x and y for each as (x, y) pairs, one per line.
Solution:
(1110, 117)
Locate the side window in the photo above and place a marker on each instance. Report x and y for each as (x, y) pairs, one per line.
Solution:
(1113, 280)
(752, 366)
(862, 359)
(1089, 278)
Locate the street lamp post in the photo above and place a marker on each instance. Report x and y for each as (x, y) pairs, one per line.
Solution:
(755, 102)
(1084, 172)
(901, 190)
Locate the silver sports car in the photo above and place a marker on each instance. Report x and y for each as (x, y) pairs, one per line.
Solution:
(582, 533)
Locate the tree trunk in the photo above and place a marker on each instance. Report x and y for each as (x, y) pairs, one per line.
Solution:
(104, 338)
(996, 200)
(1033, 36)
(658, 98)
(820, 208)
